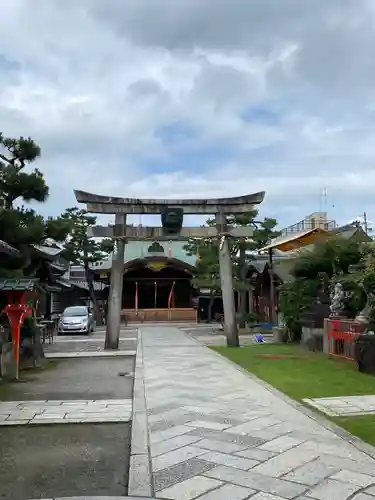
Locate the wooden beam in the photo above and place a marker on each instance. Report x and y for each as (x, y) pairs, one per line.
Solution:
(156, 233)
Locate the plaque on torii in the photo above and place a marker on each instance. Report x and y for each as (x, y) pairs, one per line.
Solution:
(121, 207)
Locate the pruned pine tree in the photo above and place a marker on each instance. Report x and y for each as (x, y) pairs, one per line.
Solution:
(207, 273)
(84, 251)
(21, 226)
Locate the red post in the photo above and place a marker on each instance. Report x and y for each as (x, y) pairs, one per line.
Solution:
(16, 310)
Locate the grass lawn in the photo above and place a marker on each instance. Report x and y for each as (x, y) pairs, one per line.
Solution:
(303, 374)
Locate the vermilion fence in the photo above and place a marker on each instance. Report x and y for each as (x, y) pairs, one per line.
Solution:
(342, 335)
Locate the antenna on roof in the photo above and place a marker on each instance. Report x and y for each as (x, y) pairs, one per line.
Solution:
(322, 199)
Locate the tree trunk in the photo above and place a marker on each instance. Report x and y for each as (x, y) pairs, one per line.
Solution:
(242, 295)
(97, 315)
(210, 306)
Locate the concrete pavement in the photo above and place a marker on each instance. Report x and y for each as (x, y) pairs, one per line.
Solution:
(215, 432)
(89, 454)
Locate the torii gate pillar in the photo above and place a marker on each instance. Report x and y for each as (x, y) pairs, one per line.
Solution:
(226, 278)
(113, 322)
(121, 206)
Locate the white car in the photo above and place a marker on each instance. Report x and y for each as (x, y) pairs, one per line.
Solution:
(76, 319)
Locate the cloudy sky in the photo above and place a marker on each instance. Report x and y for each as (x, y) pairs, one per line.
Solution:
(196, 98)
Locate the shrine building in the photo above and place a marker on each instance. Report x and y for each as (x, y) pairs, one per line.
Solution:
(156, 281)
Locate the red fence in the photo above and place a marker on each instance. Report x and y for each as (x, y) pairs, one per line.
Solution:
(342, 335)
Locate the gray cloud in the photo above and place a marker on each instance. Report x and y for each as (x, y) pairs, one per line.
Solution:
(94, 83)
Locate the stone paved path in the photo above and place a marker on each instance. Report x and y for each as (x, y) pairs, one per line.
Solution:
(344, 406)
(217, 434)
(88, 354)
(65, 412)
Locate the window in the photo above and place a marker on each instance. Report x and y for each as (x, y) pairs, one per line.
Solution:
(76, 311)
(77, 273)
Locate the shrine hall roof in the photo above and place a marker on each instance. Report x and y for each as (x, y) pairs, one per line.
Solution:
(140, 249)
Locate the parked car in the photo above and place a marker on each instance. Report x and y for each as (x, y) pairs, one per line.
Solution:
(76, 319)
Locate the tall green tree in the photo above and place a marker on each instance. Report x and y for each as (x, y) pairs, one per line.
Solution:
(243, 250)
(327, 262)
(207, 270)
(83, 250)
(21, 226)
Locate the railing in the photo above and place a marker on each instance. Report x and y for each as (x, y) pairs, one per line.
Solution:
(307, 225)
(342, 335)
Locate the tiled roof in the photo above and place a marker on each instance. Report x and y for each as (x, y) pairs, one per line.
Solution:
(98, 285)
(140, 249)
(22, 284)
(8, 249)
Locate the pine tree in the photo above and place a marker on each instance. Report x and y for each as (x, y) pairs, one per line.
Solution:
(83, 250)
(21, 226)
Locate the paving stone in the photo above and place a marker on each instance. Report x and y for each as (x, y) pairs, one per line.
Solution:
(208, 425)
(370, 491)
(363, 496)
(21, 415)
(168, 415)
(161, 408)
(256, 454)
(266, 496)
(180, 472)
(253, 425)
(365, 466)
(228, 437)
(273, 432)
(176, 456)
(162, 425)
(356, 478)
(286, 462)
(172, 444)
(332, 490)
(200, 409)
(169, 433)
(46, 416)
(356, 405)
(192, 488)
(211, 444)
(258, 482)
(230, 460)
(340, 449)
(280, 444)
(44, 421)
(311, 473)
(13, 422)
(228, 492)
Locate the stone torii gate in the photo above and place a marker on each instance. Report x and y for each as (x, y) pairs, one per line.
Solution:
(120, 232)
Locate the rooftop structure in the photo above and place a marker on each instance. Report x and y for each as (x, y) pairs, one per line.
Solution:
(316, 220)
